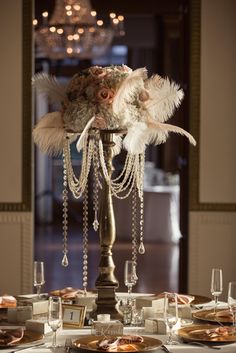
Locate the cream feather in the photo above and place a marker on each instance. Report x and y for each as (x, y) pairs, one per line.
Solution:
(136, 138)
(165, 96)
(48, 85)
(83, 136)
(49, 134)
(159, 132)
(128, 88)
(140, 134)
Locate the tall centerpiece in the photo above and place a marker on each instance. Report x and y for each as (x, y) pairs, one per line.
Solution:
(106, 109)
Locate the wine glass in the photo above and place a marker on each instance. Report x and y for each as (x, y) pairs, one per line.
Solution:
(170, 315)
(216, 284)
(38, 276)
(232, 300)
(130, 275)
(54, 317)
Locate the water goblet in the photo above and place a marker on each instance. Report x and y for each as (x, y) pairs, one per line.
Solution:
(170, 315)
(130, 275)
(232, 300)
(216, 284)
(54, 317)
(38, 276)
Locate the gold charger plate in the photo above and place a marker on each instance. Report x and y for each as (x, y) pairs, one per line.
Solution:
(198, 333)
(90, 343)
(200, 299)
(211, 315)
(29, 337)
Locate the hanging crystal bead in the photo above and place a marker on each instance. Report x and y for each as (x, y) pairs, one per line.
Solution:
(65, 261)
(141, 248)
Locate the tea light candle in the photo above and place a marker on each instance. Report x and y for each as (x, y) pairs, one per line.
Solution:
(104, 317)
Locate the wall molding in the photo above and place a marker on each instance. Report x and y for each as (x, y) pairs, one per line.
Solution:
(26, 189)
(202, 226)
(25, 222)
(195, 69)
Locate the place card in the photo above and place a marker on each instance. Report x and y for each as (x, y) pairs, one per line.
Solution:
(38, 306)
(113, 327)
(40, 326)
(19, 314)
(150, 302)
(153, 325)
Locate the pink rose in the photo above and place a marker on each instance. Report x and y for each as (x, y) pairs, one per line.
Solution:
(99, 123)
(105, 95)
(143, 96)
(97, 72)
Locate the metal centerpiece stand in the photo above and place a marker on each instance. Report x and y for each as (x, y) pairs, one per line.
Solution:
(100, 98)
(106, 282)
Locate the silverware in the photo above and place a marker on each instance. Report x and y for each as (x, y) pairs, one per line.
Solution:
(165, 349)
(68, 345)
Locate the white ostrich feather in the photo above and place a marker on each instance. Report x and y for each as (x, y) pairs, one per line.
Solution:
(128, 88)
(136, 138)
(83, 136)
(48, 85)
(48, 134)
(165, 96)
(118, 144)
(158, 133)
(140, 134)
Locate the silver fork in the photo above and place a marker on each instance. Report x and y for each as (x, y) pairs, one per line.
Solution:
(165, 349)
(68, 345)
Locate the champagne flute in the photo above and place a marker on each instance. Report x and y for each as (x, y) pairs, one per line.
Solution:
(54, 317)
(216, 284)
(232, 300)
(130, 275)
(170, 315)
(38, 276)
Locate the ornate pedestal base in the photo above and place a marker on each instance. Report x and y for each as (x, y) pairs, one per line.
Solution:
(106, 282)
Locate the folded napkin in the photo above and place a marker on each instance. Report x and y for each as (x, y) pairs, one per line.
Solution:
(226, 313)
(10, 337)
(67, 293)
(222, 331)
(181, 298)
(7, 301)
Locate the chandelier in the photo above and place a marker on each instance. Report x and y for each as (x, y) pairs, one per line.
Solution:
(73, 31)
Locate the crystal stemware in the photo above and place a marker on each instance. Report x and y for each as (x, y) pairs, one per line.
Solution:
(232, 300)
(216, 284)
(170, 315)
(54, 317)
(130, 276)
(38, 276)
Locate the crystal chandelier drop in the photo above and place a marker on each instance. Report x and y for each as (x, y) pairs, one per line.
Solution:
(73, 31)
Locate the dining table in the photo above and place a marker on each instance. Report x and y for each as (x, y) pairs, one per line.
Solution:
(73, 334)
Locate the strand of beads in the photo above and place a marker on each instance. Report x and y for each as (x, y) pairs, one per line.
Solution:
(96, 185)
(141, 248)
(85, 239)
(65, 261)
(134, 226)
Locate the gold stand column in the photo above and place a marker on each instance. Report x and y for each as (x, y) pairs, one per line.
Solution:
(106, 282)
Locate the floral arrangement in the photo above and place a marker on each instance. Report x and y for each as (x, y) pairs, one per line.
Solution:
(113, 97)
